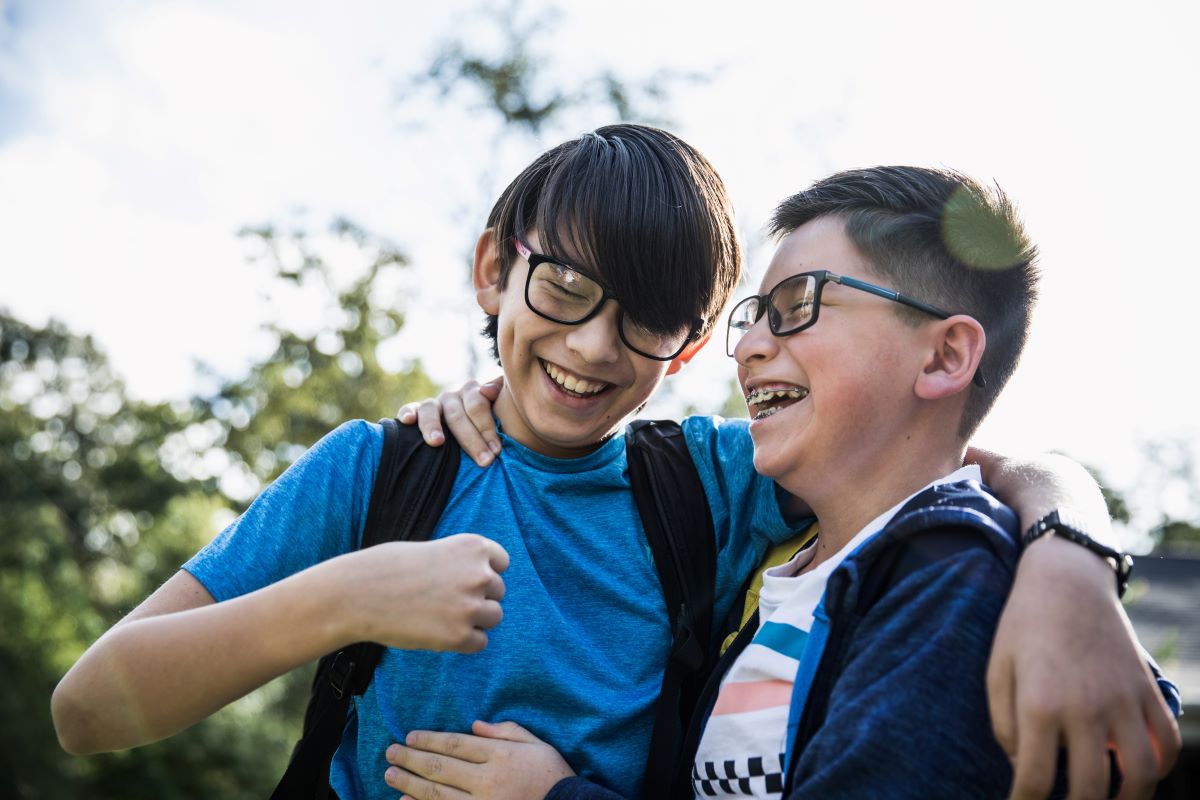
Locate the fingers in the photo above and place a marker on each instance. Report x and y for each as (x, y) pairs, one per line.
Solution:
(1146, 746)
(478, 407)
(407, 413)
(429, 420)
(460, 747)
(1037, 753)
(468, 415)
(1164, 731)
(497, 558)
(1001, 700)
(1138, 765)
(1087, 761)
(509, 731)
(488, 616)
(419, 788)
(491, 389)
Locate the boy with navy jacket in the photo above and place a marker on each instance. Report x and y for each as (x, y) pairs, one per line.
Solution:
(603, 267)
(894, 311)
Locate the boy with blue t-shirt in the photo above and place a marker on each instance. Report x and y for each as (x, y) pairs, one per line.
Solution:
(645, 221)
(584, 639)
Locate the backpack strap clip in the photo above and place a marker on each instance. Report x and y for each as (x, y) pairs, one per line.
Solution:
(340, 671)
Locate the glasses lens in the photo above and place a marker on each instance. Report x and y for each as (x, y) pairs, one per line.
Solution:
(741, 319)
(792, 303)
(561, 293)
(653, 343)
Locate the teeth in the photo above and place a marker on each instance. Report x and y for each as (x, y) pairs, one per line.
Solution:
(758, 396)
(766, 412)
(570, 382)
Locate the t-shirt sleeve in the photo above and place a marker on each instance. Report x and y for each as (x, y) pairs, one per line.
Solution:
(312, 512)
(745, 506)
(742, 501)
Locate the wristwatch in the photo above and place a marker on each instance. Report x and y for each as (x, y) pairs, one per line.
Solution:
(1063, 525)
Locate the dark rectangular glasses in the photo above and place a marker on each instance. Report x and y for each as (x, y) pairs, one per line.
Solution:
(795, 302)
(564, 294)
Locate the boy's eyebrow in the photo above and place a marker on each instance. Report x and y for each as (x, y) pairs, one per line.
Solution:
(585, 272)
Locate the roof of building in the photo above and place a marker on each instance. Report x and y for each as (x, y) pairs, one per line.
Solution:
(1163, 603)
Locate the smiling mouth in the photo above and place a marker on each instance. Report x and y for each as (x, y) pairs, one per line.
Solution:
(766, 402)
(572, 384)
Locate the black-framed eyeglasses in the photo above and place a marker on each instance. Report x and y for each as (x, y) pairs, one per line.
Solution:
(566, 295)
(795, 302)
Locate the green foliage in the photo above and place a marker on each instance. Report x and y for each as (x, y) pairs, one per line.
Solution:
(104, 497)
(513, 82)
(1177, 537)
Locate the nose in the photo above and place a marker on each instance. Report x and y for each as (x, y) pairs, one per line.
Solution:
(597, 341)
(756, 344)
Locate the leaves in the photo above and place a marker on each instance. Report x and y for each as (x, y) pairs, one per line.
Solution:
(105, 496)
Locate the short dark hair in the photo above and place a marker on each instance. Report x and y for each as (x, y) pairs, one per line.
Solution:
(945, 239)
(638, 207)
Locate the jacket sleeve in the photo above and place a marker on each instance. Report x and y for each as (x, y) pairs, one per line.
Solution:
(576, 788)
(907, 713)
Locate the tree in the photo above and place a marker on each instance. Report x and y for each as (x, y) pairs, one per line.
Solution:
(105, 497)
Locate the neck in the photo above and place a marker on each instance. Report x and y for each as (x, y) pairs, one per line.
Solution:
(516, 427)
(849, 496)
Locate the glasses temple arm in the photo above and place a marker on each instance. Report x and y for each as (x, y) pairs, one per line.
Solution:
(977, 379)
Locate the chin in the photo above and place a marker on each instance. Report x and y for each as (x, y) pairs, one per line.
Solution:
(764, 464)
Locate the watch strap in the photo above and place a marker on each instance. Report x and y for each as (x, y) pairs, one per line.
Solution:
(1065, 526)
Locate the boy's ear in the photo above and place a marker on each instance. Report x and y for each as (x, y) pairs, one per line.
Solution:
(485, 274)
(689, 351)
(957, 348)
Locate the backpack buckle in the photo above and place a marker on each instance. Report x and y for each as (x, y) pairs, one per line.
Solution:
(339, 673)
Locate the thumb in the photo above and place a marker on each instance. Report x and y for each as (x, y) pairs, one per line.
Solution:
(509, 731)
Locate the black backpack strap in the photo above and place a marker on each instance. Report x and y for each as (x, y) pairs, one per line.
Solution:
(411, 489)
(679, 529)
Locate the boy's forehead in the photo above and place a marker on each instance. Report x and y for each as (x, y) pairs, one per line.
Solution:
(565, 248)
(821, 243)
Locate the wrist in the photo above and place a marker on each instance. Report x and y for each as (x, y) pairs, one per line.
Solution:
(327, 602)
(1066, 529)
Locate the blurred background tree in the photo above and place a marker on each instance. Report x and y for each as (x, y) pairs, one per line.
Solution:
(105, 496)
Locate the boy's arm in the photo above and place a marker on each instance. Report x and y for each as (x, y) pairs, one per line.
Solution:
(1065, 665)
(179, 656)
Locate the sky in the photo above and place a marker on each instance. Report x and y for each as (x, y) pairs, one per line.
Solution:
(137, 138)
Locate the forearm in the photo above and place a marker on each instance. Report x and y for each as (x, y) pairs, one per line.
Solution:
(150, 677)
(1036, 486)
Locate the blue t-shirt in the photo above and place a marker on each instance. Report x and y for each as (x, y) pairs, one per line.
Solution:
(578, 658)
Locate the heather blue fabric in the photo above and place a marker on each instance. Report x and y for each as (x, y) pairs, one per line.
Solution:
(578, 658)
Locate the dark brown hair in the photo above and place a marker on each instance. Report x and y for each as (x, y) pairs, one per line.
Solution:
(942, 238)
(636, 206)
